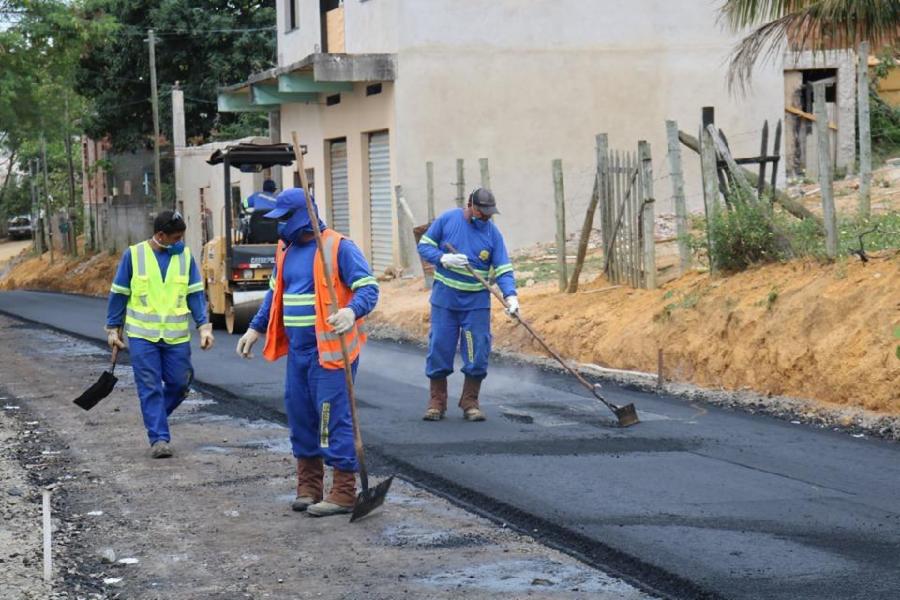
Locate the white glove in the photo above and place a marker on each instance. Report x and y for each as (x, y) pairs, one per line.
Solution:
(342, 320)
(458, 261)
(206, 336)
(114, 338)
(245, 344)
(512, 303)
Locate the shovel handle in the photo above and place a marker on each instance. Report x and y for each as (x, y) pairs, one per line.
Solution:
(534, 334)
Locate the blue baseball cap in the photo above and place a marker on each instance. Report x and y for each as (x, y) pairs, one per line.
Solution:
(287, 201)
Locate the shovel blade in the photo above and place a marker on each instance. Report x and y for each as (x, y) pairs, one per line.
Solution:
(627, 415)
(97, 392)
(370, 499)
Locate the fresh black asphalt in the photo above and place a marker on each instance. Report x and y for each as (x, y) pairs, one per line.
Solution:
(695, 501)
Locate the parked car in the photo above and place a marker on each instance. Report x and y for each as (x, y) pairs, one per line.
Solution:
(19, 228)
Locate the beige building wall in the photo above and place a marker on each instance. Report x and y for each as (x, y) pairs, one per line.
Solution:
(354, 118)
(195, 174)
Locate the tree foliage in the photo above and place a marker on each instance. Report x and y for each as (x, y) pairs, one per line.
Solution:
(805, 24)
(203, 45)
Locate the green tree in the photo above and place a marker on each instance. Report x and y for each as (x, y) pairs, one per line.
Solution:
(808, 24)
(200, 44)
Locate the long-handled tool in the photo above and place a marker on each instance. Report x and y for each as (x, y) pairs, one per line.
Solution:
(627, 415)
(370, 498)
(101, 388)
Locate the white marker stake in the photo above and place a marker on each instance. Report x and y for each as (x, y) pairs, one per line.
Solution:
(48, 558)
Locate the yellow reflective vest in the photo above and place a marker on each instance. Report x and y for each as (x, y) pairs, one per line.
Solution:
(157, 309)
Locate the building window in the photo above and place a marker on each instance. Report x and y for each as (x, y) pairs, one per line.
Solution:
(333, 99)
(373, 89)
(291, 16)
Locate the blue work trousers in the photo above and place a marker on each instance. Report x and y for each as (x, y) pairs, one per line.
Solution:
(468, 330)
(318, 410)
(163, 374)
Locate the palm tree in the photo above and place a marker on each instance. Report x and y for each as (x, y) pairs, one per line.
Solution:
(805, 24)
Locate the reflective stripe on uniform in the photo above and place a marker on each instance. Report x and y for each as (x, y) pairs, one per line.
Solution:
(272, 283)
(119, 289)
(323, 424)
(427, 240)
(306, 321)
(166, 334)
(458, 285)
(153, 318)
(299, 299)
(460, 271)
(336, 356)
(182, 263)
(498, 271)
(141, 261)
(364, 281)
(195, 287)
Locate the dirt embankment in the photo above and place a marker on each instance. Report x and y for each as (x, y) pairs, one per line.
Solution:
(89, 275)
(801, 329)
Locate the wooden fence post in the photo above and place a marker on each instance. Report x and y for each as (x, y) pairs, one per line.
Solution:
(826, 172)
(647, 207)
(559, 195)
(602, 149)
(406, 222)
(710, 191)
(742, 184)
(460, 183)
(865, 133)
(485, 173)
(429, 183)
(677, 177)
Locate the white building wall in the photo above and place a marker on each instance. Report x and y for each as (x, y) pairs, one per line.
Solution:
(524, 82)
(306, 39)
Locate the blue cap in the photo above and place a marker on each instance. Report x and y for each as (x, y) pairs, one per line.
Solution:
(288, 200)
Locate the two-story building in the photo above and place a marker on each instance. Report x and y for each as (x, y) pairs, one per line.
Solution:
(376, 88)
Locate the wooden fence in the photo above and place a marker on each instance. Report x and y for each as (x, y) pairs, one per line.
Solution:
(627, 216)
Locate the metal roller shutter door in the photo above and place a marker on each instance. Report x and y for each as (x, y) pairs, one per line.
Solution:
(381, 224)
(340, 197)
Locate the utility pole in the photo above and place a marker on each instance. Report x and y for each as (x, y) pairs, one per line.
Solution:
(179, 139)
(49, 218)
(155, 100)
(36, 235)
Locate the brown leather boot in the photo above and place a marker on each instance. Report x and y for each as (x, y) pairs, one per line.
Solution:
(310, 483)
(468, 402)
(340, 499)
(437, 404)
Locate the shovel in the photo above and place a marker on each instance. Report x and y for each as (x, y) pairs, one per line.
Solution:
(370, 498)
(627, 415)
(102, 388)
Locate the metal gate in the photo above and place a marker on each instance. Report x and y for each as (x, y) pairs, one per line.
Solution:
(340, 198)
(381, 220)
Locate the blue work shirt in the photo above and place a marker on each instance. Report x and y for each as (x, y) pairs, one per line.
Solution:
(261, 201)
(483, 244)
(299, 308)
(121, 289)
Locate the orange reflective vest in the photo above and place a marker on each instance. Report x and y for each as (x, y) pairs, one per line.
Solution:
(327, 341)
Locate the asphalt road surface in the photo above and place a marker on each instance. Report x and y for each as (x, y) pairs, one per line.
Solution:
(694, 502)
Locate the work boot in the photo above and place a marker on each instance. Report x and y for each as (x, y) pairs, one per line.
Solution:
(340, 499)
(468, 402)
(161, 449)
(437, 404)
(310, 482)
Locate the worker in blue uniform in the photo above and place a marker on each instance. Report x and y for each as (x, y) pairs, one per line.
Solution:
(156, 290)
(264, 200)
(460, 305)
(315, 397)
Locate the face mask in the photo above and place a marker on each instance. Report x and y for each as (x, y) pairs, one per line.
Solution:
(479, 224)
(172, 249)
